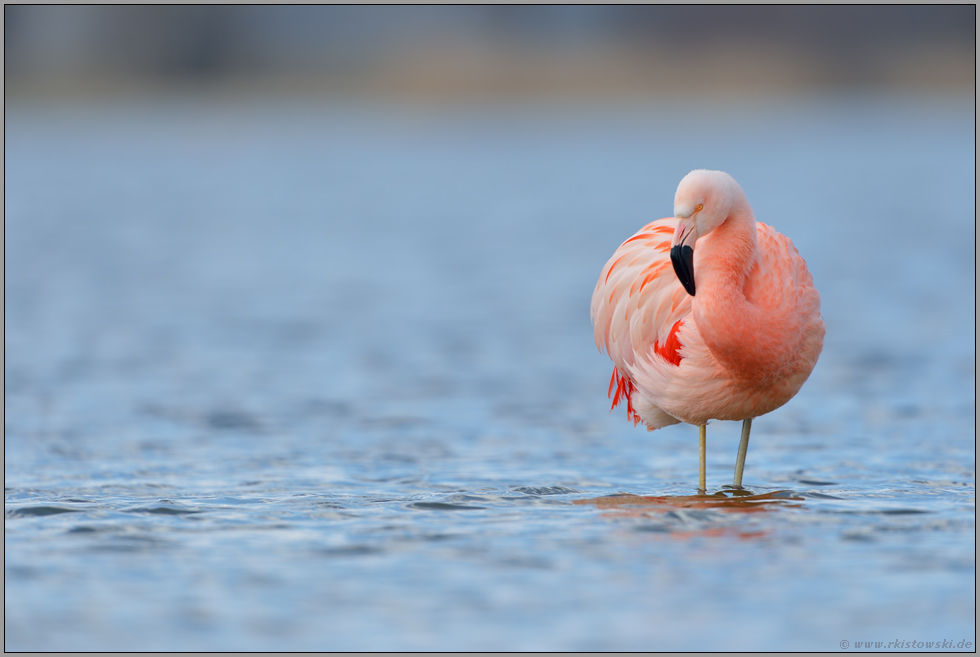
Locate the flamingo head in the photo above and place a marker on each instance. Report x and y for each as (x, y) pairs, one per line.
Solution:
(703, 201)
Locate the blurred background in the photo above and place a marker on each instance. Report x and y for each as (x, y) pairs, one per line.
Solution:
(297, 347)
(488, 51)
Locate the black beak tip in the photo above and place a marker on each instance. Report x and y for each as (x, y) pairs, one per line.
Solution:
(682, 257)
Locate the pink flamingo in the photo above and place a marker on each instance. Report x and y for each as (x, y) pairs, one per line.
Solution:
(730, 338)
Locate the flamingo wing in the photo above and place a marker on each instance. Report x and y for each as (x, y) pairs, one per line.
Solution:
(638, 304)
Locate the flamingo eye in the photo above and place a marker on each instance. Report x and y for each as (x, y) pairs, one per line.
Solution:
(699, 208)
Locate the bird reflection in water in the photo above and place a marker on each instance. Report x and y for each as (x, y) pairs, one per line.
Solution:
(678, 507)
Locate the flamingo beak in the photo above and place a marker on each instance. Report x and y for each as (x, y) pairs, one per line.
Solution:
(682, 253)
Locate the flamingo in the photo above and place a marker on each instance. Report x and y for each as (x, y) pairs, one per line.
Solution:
(731, 336)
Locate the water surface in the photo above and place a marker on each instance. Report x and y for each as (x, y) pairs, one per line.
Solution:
(311, 376)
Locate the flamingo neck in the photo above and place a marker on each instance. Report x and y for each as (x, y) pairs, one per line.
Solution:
(737, 332)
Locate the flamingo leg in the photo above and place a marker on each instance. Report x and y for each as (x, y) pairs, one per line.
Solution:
(701, 453)
(743, 447)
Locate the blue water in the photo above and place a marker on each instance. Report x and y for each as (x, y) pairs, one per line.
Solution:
(320, 376)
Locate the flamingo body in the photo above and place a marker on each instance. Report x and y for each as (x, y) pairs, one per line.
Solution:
(741, 346)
